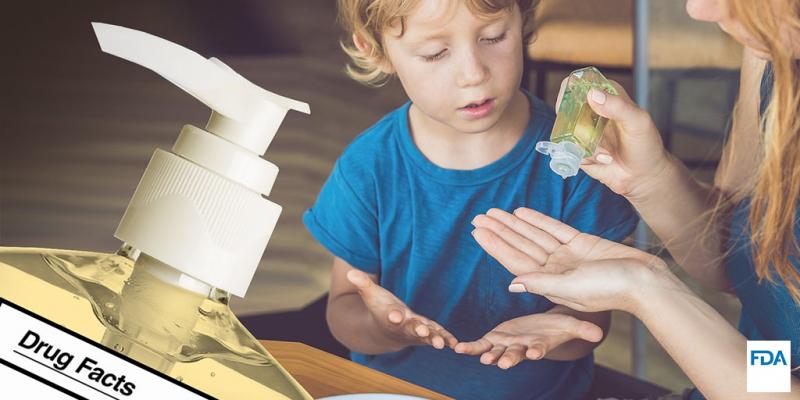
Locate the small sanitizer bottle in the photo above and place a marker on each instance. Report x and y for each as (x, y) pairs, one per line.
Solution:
(577, 129)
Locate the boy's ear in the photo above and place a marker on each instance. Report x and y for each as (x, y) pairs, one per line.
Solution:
(361, 45)
(365, 48)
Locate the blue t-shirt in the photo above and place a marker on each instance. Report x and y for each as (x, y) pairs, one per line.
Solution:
(387, 210)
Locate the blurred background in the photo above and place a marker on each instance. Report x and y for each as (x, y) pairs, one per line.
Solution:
(79, 126)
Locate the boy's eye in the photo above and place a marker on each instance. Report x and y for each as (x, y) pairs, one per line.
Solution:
(435, 57)
(495, 39)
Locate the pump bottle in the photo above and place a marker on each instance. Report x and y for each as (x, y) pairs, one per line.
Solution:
(192, 236)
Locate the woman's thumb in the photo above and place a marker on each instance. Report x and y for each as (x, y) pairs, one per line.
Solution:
(542, 283)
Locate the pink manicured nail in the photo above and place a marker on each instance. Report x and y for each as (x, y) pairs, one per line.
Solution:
(517, 288)
(604, 159)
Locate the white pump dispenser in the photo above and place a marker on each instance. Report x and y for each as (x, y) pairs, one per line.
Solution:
(200, 208)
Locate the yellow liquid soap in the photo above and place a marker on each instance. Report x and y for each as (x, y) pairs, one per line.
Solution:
(577, 129)
(120, 302)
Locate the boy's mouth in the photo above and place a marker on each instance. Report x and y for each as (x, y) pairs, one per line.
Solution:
(476, 104)
(477, 109)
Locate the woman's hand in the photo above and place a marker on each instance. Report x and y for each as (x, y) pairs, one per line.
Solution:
(550, 258)
(530, 337)
(631, 157)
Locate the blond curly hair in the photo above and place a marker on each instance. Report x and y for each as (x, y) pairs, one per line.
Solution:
(368, 19)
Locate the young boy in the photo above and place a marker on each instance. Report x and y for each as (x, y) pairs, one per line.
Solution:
(408, 280)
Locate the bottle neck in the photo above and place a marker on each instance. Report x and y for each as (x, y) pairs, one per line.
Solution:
(171, 276)
(158, 310)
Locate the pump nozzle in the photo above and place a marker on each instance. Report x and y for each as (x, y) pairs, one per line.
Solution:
(256, 113)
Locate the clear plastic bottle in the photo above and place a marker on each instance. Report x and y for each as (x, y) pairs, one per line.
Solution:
(577, 129)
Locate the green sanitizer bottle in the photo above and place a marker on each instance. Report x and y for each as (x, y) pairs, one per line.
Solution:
(577, 129)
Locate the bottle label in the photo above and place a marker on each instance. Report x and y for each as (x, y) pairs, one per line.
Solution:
(41, 359)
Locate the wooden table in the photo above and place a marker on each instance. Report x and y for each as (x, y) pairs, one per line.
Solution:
(323, 374)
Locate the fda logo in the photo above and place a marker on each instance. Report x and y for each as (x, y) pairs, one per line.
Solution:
(768, 365)
(765, 357)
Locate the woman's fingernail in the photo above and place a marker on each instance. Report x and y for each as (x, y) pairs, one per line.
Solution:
(597, 96)
(516, 288)
(473, 232)
(604, 159)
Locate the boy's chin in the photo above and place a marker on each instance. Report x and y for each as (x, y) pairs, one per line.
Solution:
(476, 126)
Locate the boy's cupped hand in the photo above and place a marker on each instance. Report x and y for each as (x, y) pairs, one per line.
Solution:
(529, 337)
(395, 319)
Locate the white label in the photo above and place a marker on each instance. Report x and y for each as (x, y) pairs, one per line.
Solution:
(768, 366)
(37, 356)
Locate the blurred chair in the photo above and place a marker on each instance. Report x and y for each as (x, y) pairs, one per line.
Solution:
(570, 34)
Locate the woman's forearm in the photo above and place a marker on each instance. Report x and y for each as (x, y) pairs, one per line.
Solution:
(352, 325)
(706, 347)
(678, 209)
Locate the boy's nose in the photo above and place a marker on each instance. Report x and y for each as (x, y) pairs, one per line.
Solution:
(473, 71)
